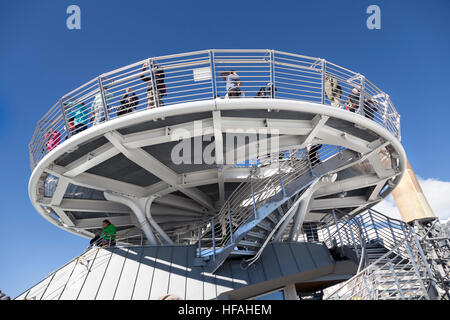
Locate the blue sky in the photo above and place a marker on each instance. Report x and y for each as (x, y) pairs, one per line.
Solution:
(40, 60)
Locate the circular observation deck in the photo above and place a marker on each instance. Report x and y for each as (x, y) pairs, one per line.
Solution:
(165, 144)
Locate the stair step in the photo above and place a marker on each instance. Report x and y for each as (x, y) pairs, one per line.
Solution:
(237, 252)
(247, 243)
(264, 226)
(374, 251)
(272, 218)
(404, 290)
(258, 235)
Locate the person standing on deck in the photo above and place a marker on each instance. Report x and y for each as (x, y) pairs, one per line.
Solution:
(98, 110)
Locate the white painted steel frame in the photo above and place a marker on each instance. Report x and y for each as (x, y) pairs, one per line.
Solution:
(202, 106)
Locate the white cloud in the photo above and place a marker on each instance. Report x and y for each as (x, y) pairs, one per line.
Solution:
(437, 193)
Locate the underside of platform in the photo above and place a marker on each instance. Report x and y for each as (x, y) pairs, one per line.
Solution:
(132, 156)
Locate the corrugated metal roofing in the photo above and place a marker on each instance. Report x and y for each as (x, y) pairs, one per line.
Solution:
(150, 272)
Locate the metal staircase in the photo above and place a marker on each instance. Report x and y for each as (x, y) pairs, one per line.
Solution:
(394, 264)
(254, 208)
(394, 277)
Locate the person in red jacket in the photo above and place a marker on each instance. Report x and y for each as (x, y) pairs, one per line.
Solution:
(53, 139)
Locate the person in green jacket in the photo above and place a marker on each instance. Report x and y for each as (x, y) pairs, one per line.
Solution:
(108, 234)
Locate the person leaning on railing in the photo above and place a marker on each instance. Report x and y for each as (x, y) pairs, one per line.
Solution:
(128, 103)
(233, 83)
(160, 85)
(106, 237)
(333, 90)
(53, 139)
(108, 234)
(352, 104)
(78, 116)
(268, 91)
(97, 108)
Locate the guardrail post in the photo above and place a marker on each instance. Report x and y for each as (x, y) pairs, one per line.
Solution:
(374, 226)
(66, 121)
(213, 73)
(363, 226)
(229, 221)
(346, 232)
(272, 73)
(328, 230)
(253, 196)
(154, 84)
(322, 101)
(283, 188)
(199, 242)
(337, 228)
(362, 96)
(102, 93)
(353, 240)
(392, 231)
(213, 233)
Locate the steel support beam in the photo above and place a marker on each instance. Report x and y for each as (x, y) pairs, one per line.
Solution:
(137, 206)
(347, 202)
(155, 167)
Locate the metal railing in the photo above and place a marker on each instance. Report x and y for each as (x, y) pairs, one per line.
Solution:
(204, 75)
(269, 179)
(402, 273)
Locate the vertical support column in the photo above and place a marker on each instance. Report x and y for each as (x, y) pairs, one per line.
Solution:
(104, 100)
